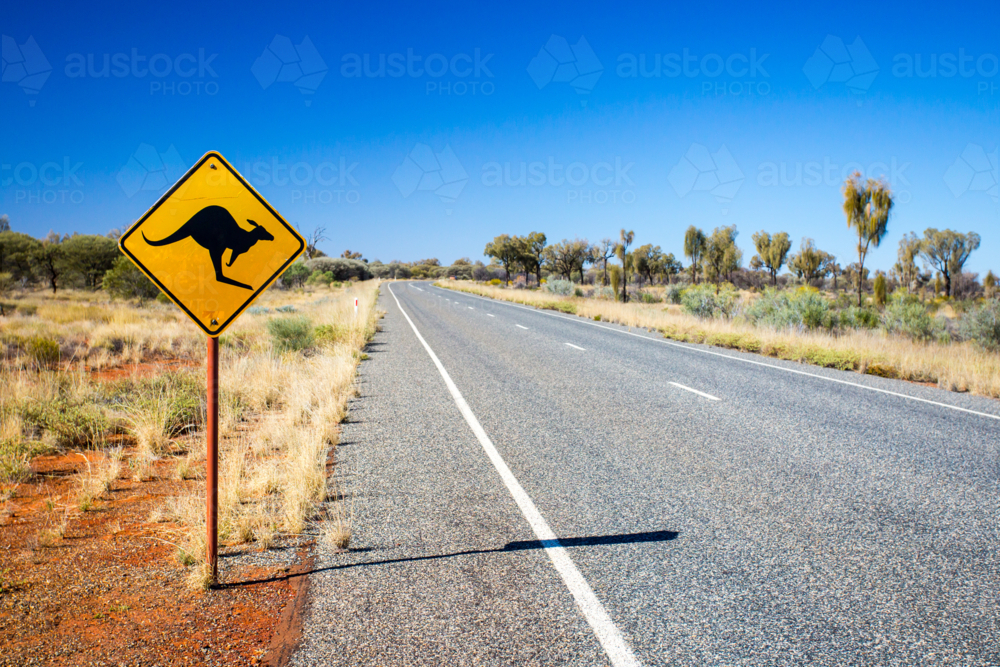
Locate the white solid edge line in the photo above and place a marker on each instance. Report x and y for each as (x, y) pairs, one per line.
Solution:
(607, 632)
(695, 391)
(745, 361)
(576, 347)
(519, 326)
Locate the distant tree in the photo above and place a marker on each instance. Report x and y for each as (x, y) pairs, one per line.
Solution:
(533, 253)
(909, 249)
(600, 253)
(867, 206)
(669, 267)
(505, 250)
(4, 223)
(16, 255)
(568, 256)
(50, 262)
(625, 239)
(644, 260)
(347, 254)
(989, 285)
(312, 250)
(835, 271)
(6, 285)
(721, 255)
(694, 249)
(947, 251)
(89, 257)
(810, 263)
(125, 281)
(114, 234)
(772, 251)
(296, 275)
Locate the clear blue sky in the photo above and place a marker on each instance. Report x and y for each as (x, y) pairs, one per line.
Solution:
(780, 86)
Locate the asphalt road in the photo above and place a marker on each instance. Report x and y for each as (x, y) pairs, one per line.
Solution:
(712, 508)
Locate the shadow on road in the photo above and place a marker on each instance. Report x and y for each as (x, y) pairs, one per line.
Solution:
(523, 545)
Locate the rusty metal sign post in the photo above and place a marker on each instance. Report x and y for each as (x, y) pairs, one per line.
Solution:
(212, 245)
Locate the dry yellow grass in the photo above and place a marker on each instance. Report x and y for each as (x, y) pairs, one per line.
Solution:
(954, 366)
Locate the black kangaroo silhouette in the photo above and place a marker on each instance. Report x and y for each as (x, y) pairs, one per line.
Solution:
(215, 230)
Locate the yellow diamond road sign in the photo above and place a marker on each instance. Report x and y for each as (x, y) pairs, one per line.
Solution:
(212, 244)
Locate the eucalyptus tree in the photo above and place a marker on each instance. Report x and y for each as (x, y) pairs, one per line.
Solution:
(600, 253)
(721, 255)
(947, 251)
(505, 250)
(625, 239)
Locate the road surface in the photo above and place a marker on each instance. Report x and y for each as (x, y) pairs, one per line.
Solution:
(530, 488)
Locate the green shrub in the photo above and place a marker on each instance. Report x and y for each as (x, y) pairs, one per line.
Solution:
(291, 334)
(43, 351)
(913, 320)
(163, 298)
(71, 424)
(702, 301)
(496, 282)
(577, 292)
(982, 325)
(285, 309)
(124, 281)
(854, 317)
(802, 309)
(320, 278)
(560, 287)
(184, 409)
(648, 297)
(674, 294)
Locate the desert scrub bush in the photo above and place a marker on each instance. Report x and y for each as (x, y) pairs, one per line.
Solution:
(125, 281)
(982, 325)
(291, 334)
(96, 480)
(702, 301)
(913, 321)
(71, 422)
(331, 334)
(801, 309)
(560, 287)
(853, 317)
(648, 297)
(673, 294)
(43, 352)
(155, 409)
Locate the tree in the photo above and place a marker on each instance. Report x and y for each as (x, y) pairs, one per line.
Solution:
(312, 241)
(645, 259)
(694, 248)
(49, 260)
(772, 251)
(835, 271)
(947, 251)
(909, 248)
(669, 267)
(503, 249)
(567, 257)
(296, 274)
(621, 250)
(879, 289)
(721, 255)
(989, 285)
(4, 223)
(90, 257)
(810, 263)
(6, 285)
(125, 281)
(347, 254)
(867, 206)
(16, 252)
(601, 252)
(532, 251)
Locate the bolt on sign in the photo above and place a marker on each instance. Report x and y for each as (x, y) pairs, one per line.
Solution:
(212, 244)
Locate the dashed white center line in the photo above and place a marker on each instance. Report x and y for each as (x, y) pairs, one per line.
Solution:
(488, 315)
(695, 391)
(471, 308)
(576, 347)
(520, 327)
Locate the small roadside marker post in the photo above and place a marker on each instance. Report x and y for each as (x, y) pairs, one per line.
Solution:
(218, 205)
(355, 306)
